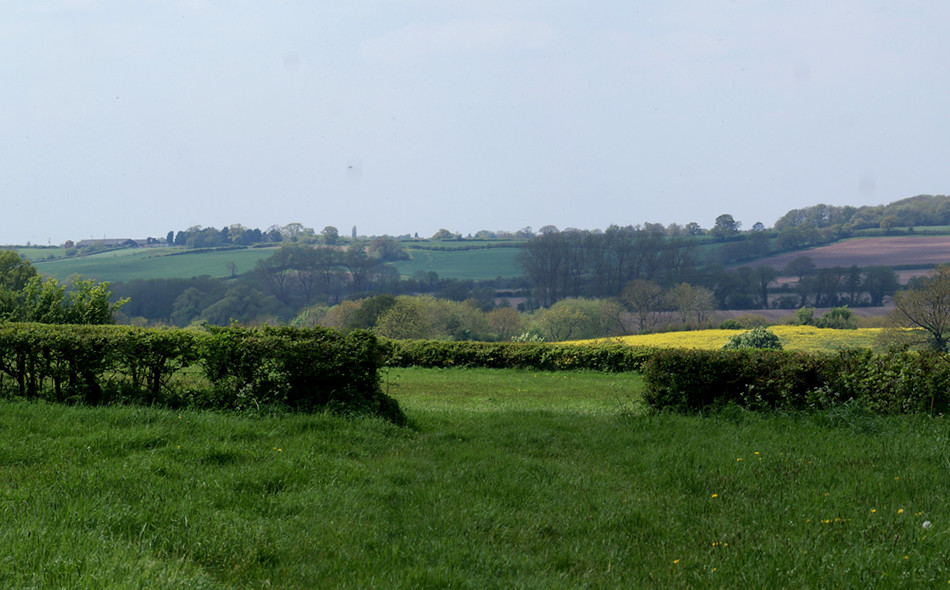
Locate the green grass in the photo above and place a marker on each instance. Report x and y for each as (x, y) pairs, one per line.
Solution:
(481, 264)
(157, 263)
(153, 263)
(507, 479)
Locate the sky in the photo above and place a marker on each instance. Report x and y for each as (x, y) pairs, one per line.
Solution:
(130, 119)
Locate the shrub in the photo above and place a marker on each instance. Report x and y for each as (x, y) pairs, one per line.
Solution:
(692, 380)
(757, 337)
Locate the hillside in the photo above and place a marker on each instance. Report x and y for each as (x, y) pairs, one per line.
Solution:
(154, 263)
(905, 252)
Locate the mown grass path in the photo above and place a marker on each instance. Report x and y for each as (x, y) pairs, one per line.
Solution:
(506, 479)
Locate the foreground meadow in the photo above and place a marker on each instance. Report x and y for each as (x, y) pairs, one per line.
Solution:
(505, 479)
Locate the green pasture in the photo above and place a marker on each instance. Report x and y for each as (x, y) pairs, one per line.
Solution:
(154, 263)
(484, 263)
(36, 254)
(506, 479)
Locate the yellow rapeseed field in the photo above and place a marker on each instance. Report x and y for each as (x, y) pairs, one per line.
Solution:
(806, 338)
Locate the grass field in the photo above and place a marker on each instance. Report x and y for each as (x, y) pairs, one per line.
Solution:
(805, 338)
(156, 263)
(486, 263)
(153, 263)
(507, 479)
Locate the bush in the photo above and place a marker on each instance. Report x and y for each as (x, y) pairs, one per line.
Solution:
(757, 337)
(693, 380)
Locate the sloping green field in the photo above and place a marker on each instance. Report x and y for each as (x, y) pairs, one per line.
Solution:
(154, 263)
(486, 263)
(166, 263)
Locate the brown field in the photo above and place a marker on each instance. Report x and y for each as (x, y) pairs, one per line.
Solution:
(924, 251)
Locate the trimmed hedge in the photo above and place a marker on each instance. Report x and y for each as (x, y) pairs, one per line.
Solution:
(222, 368)
(890, 383)
(517, 355)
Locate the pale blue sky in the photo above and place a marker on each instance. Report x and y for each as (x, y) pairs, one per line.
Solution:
(131, 118)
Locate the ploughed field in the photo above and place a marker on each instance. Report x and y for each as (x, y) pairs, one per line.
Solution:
(898, 251)
(504, 479)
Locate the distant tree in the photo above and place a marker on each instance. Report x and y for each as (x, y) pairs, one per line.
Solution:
(330, 235)
(852, 285)
(764, 276)
(444, 234)
(405, 319)
(801, 267)
(839, 318)
(927, 307)
(725, 227)
(170, 238)
(693, 303)
(645, 300)
(693, 229)
(360, 265)
(790, 238)
(387, 249)
(879, 282)
(505, 322)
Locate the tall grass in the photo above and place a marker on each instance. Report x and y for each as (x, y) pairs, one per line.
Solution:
(506, 479)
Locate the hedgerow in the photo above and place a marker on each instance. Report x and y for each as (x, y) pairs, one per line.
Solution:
(894, 382)
(517, 355)
(222, 368)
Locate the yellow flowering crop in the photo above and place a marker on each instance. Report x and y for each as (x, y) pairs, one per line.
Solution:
(804, 338)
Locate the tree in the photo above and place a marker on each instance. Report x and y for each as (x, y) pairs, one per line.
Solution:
(331, 235)
(879, 282)
(387, 249)
(927, 307)
(725, 227)
(49, 302)
(645, 299)
(15, 271)
(764, 275)
(505, 322)
(693, 229)
(444, 234)
(839, 318)
(801, 267)
(693, 303)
